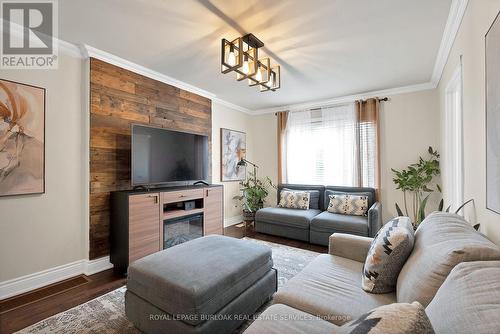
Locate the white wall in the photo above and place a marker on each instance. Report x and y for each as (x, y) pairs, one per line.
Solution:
(225, 117)
(470, 44)
(43, 231)
(265, 144)
(409, 124)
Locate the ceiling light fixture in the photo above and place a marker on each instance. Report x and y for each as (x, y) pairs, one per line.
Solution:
(241, 56)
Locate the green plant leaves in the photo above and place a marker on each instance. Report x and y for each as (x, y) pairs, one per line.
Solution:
(400, 212)
(416, 179)
(441, 204)
(254, 192)
(421, 209)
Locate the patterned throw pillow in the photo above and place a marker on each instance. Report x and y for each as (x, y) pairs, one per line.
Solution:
(313, 197)
(346, 204)
(294, 199)
(387, 254)
(397, 318)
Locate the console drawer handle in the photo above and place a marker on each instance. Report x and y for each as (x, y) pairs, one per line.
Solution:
(155, 197)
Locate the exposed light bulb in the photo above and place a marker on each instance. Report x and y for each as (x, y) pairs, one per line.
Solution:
(231, 58)
(245, 67)
(274, 79)
(258, 76)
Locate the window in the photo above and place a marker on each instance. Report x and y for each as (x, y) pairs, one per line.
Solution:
(330, 146)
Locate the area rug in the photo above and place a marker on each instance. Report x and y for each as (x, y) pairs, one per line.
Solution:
(106, 314)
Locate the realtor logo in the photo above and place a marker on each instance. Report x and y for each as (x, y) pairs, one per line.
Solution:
(29, 37)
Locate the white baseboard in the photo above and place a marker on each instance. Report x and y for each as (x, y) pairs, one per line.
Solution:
(94, 266)
(43, 278)
(233, 220)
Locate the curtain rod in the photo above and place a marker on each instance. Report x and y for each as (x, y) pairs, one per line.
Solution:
(383, 99)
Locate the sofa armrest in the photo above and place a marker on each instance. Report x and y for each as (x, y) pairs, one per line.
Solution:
(350, 246)
(374, 219)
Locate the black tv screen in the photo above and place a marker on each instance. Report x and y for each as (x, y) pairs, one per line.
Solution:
(165, 156)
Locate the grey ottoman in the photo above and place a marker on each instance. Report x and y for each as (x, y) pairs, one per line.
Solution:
(207, 285)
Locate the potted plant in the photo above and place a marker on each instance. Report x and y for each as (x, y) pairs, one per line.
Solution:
(414, 182)
(253, 194)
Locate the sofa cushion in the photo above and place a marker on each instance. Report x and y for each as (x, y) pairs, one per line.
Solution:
(293, 199)
(313, 197)
(348, 204)
(337, 223)
(469, 300)
(306, 187)
(442, 241)
(199, 277)
(288, 217)
(397, 318)
(349, 190)
(330, 287)
(388, 253)
(279, 318)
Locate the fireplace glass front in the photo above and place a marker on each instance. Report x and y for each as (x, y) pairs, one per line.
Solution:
(179, 230)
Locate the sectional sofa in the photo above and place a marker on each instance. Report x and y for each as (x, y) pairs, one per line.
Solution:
(315, 225)
(453, 271)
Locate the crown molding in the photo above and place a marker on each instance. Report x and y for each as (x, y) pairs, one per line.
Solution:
(69, 48)
(347, 99)
(60, 45)
(457, 12)
(90, 51)
(232, 106)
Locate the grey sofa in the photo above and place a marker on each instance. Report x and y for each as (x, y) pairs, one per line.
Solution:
(315, 225)
(453, 271)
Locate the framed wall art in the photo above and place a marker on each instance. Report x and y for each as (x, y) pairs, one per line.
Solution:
(233, 148)
(22, 139)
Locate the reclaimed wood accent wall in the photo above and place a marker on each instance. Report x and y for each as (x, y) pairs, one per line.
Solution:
(119, 98)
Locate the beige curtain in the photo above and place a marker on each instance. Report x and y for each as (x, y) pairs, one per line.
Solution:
(368, 155)
(282, 119)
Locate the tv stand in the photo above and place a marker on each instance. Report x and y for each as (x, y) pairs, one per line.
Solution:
(137, 218)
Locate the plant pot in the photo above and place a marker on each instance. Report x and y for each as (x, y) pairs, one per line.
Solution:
(248, 215)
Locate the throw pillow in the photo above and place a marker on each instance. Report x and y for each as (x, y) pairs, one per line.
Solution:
(294, 199)
(397, 318)
(329, 192)
(313, 197)
(387, 255)
(347, 204)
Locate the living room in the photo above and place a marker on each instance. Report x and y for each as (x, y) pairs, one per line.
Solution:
(304, 133)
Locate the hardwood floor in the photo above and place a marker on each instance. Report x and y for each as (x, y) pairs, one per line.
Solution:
(24, 310)
(242, 230)
(29, 308)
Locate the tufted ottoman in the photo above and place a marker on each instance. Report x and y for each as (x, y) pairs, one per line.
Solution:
(208, 285)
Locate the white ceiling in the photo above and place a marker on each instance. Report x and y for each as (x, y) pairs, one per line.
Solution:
(326, 48)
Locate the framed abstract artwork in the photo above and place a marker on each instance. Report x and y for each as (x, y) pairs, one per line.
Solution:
(492, 54)
(22, 139)
(233, 148)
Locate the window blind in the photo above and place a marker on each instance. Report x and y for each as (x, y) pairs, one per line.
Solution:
(329, 146)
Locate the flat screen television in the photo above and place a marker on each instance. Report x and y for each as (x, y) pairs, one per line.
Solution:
(161, 156)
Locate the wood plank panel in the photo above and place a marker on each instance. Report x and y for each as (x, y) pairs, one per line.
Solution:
(118, 99)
